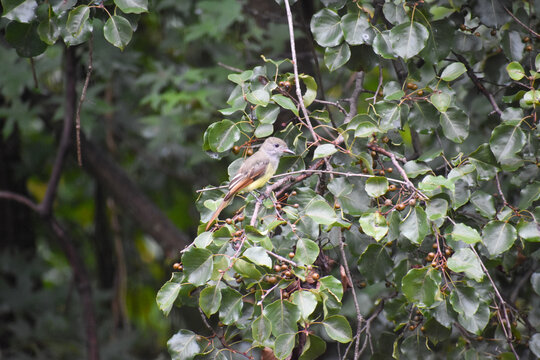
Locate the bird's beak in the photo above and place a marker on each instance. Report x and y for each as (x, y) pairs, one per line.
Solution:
(289, 151)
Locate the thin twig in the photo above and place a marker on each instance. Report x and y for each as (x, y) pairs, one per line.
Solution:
(81, 100)
(20, 199)
(499, 190)
(359, 317)
(279, 257)
(34, 75)
(228, 67)
(521, 23)
(478, 83)
(295, 69)
(505, 322)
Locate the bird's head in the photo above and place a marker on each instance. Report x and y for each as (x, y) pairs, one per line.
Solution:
(275, 146)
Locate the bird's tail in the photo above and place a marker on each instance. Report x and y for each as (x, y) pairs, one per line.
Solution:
(224, 203)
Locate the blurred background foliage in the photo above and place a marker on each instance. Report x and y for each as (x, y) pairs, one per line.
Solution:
(147, 108)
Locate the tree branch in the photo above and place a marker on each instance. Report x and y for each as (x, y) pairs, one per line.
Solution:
(522, 24)
(81, 100)
(478, 83)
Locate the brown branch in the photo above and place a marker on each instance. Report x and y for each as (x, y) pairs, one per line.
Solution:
(81, 100)
(295, 70)
(45, 207)
(359, 317)
(82, 279)
(478, 83)
(521, 23)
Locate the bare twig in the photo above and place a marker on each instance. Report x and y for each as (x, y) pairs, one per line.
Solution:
(359, 317)
(81, 100)
(478, 83)
(499, 190)
(501, 309)
(295, 69)
(228, 67)
(521, 23)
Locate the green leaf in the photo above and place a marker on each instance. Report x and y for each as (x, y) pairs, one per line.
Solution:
(306, 302)
(268, 114)
(529, 231)
(537, 65)
(118, 31)
(167, 295)
(246, 269)
(313, 348)
(25, 39)
(183, 345)
(366, 129)
(48, 30)
(392, 91)
(506, 141)
(324, 151)
(515, 71)
(231, 306)
(19, 10)
(356, 28)
(132, 6)
(453, 71)
(284, 315)
(258, 256)
(261, 329)
(464, 260)
(333, 286)
(455, 124)
(338, 328)
(432, 183)
(376, 186)
(465, 233)
(258, 97)
(535, 282)
(306, 251)
(498, 237)
(320, 212)
(382, 45)
(408, 39)
(484, 204)
(421, 286)
(77, 19)
(241, 78)
(336, 57)
(529, 194)
(198, 265)
(210, 300)
(390, 115)
(436, 209)
(464, 299)
(423, 116)
(374, 225)
(484, 161)
(222, 135)
(284, 345)
(441, 101)
(414, 168)
(326, 28)
(285, 103)
(204, 239)
(415, 227)
(476, 322)
(375, 263)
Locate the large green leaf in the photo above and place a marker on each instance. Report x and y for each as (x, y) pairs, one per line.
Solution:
(231, 306)
(324, 150)
(515, 71)
(415, 226)
(21, 11)
(307, 251)
(313, 348)
(326, 28)
(132, 6)
(465, 233)
(183, 345)
(247, 269)
(167, 294)
(25, 39)
(258, 255)
(77, 19)
(408, 39)
(476, 322)
(375, 263)
(338, 328)
(336, 57)
(464, 260)
(223, 135)
(498, 237)
(374, 224)
(455, 124)
(261, 329)
(529, 231)
(356, 28)
(118, 31)
(506, 141)
(283, 315)
(198, 265)
(210, 300)
(376, 186)
(464, 300)
(258, 97)
(320, 212)
(284, 345)
(453, 71)
(306, 302)
(421, 286)
(48, 30)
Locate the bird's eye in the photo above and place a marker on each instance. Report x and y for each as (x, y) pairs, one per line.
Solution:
(276, 145)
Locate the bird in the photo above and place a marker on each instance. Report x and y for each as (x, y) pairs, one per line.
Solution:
(254, 172)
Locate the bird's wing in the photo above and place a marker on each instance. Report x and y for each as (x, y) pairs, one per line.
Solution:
(249, 172)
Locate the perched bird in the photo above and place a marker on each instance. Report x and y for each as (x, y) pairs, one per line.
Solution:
(254, 172)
